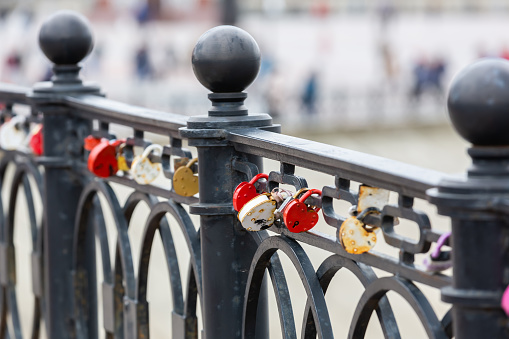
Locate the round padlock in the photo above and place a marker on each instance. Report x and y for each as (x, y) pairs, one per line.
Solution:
(258, 213)
(102, 160)
(299, 217)
(12, 134)
(143, 170)
(36, 143)
(245, 191)
(185, 182)
(355, 238)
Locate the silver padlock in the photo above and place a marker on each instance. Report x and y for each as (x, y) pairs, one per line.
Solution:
(143, 170)
(258, 213)
(12, 134)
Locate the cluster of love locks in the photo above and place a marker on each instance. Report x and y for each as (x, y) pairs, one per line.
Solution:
(17, 133)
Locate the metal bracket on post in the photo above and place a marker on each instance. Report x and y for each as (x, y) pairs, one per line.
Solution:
(4, 273)
(37, 274)
(108, 307)
(135, 318)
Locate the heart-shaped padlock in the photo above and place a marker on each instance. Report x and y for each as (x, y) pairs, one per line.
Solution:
(13, 135)
(102, 160)
(355, 238)
(185, 182)
(258, 213)
(298, 216)
(143, 170)
(245, 191)
(36, 140)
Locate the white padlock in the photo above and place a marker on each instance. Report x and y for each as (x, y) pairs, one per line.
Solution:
(143, 170)
(12, 135)
(258, 213)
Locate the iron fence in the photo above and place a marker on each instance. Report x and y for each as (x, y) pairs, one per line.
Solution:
(230, 269)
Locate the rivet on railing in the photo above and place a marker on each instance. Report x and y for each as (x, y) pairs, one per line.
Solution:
(226, 60)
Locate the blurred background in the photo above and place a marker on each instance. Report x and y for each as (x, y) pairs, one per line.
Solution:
(366, 75)
(326, 64)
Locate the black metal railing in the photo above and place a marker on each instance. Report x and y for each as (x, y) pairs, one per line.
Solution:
(229, 268)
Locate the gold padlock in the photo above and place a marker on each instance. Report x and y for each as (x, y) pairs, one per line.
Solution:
(355, 237)
(185, 182)
(122, 162)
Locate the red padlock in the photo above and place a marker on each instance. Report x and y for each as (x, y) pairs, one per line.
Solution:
(102, 160)
(36, 140)
(90, 142)
(298, 216)
(246, 191)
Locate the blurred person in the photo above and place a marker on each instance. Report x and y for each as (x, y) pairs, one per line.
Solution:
(428, 76)
(148, 11)
(309, 94)
(273, 93)
(436, 72)
(144, 68)
(13, 68)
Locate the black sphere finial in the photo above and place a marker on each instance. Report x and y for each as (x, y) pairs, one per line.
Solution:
(226, 59)
(66, 38)
(478, 102)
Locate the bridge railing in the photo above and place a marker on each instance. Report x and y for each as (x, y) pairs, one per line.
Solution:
(233, 255)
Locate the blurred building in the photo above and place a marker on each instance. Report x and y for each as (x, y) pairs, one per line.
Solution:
(289, 6)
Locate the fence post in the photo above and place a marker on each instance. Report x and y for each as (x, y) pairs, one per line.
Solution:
(226, 60)
(479, 203)
(65, 39)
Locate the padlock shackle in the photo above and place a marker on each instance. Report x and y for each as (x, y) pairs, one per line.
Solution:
(117, 142)
(192, 162)
(258, 177)
(150, 149)
(309, 193)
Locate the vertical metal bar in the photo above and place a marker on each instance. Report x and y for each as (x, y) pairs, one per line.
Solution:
(227, 249)
(63, 189)
(229, 12)
(478, 204)
(225, 60)
(66, 39)
(62, 193)
(477, 278)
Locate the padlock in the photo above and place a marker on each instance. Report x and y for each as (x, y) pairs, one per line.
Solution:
(102, 160)
(185, 182)
(36, 143)
(298, 216)
(355, 236)
(13, 135)
(439, 260)
(90, 142)
(245, 191)
(143, 170)
(121, 160)
(258, 213)
(282, 198)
